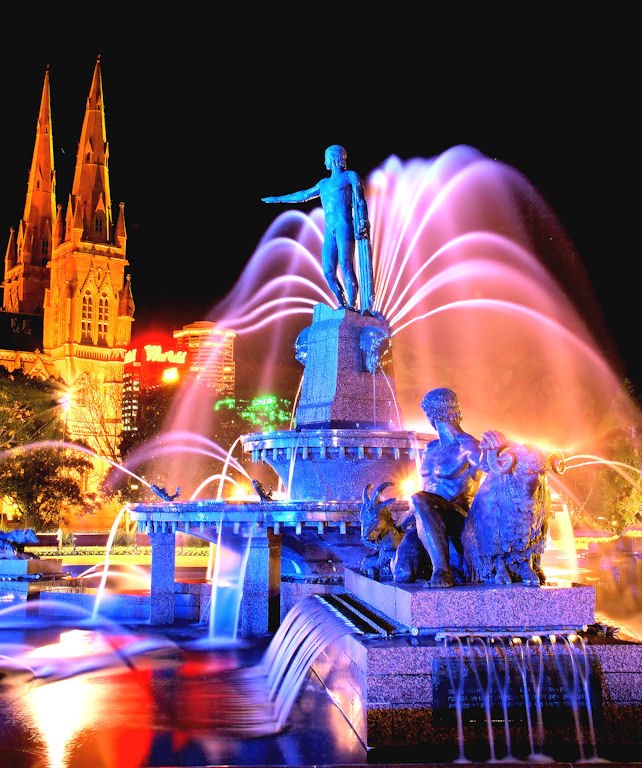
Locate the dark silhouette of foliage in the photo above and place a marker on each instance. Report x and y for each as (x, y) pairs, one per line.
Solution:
(29, 409)
(44, 485)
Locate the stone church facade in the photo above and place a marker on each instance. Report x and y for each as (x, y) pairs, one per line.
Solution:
(67, 305)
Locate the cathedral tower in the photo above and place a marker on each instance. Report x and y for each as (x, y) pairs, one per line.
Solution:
(70, 266)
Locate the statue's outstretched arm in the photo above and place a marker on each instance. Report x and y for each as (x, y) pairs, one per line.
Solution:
(294, 197)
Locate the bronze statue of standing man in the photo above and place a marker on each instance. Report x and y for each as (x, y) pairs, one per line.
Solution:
(346, 223)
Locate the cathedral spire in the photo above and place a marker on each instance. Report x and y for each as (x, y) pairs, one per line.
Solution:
(26, 276)
(91, 178)
(40, 204)
(83, 328)
(121, 229)
(65, 288)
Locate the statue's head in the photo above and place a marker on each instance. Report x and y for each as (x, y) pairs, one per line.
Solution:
(335, 156)
(441, 404)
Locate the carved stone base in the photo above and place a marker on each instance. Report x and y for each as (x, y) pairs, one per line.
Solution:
(344, 384)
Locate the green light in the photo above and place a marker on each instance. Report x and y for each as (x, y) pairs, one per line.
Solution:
(228, 403)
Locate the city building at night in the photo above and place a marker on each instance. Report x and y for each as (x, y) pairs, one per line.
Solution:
(210, 356)
(67, 306)
(200, 352)
(151, 362)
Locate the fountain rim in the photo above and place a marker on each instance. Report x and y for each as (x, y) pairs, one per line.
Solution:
(240, 510)
(335, 437)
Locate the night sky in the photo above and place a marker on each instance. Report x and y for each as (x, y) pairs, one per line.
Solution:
(201, 127)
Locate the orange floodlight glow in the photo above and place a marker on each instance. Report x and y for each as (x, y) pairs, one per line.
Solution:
(170, 376)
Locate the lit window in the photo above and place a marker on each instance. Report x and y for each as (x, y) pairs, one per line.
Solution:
(87, 317)
(103, 319)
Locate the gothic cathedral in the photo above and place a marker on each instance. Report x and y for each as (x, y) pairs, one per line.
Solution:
(67, 309)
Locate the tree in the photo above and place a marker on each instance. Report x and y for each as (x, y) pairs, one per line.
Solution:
(45, 485)
(95, 415)
(617, 490)
(29, 409)
(609, 493)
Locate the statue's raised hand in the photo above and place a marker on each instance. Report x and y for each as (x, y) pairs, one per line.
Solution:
(493, 441)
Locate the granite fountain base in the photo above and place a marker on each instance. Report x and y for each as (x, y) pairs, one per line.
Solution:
(393, 680)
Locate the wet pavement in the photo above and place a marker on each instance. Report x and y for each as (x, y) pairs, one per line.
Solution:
(111, 722)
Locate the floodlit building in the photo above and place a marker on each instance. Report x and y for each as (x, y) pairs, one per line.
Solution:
(150, 363)
(210, 356)
(67, 305)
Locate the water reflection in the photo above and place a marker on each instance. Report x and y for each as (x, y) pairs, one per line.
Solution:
(108, 697)
(614, 569)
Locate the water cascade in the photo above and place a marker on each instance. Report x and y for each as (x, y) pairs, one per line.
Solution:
(499, 682)
(228, 578)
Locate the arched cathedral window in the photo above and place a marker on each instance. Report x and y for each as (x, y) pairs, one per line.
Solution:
(87, 320)
(103, 318)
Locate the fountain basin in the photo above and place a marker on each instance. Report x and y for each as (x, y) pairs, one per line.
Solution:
(395, 693)
(132, 605)
(202, 518)
(337, 464)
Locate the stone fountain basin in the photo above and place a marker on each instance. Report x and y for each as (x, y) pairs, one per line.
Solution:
(202, 517)
(337, 464)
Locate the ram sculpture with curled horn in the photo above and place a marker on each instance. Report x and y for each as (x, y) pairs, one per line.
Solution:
(506, 528)
(395, 550)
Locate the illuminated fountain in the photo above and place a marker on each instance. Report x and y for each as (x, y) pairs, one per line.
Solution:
(472, 294)
(476, 296)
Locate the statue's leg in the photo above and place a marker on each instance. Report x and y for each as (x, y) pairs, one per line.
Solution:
(537, 550)
(527, 573)
(330, 262)
(411, 560)
(335, 287)
(502, 576)
(386, 556)
(346, 260)
(369, 566)
(537, 567)
(431, 516)
(454, 530)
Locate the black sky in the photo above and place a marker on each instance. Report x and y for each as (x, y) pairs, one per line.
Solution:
(203, 121)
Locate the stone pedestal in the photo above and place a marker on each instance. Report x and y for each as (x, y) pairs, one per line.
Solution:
(162, 607)
(260, 605)
(515, 607)
(345, 382)
(424, 689)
